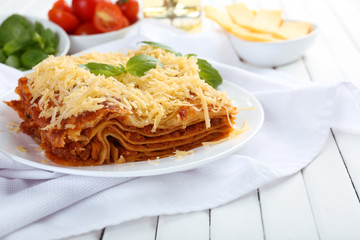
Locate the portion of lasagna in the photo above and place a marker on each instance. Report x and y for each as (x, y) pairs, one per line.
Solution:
(83, 119)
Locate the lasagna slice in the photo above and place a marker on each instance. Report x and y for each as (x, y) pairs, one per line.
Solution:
(83, 119)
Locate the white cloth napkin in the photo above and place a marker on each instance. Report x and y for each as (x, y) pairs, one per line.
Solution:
(38, 204)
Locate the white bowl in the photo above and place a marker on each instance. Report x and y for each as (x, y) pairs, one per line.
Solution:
(273, 54)
(82, 42)
(64, 41)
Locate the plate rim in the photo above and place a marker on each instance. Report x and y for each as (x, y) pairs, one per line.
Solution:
(82, 171)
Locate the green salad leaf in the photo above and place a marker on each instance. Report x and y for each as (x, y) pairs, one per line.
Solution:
(50, 41)
(209, 74)
(32, 57)
(162, 46)
(104, 69)
(17, 45)
(138, 65)
(14, 27)
(13, 61)
(2, 56)
(23, 44)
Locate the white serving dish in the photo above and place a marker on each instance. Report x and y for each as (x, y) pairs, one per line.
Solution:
(273, 54)
(82, 42)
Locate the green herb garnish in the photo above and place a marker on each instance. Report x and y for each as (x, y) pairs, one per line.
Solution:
(104, 69)
(137, 65)
(162, 46)
(209, 74)
(190, 55)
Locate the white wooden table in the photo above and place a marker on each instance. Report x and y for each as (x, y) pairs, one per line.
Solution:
(321, 201)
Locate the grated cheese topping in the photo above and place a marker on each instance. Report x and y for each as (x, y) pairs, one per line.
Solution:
(62, 89)
(179, 154)
(13, 127)
(154, 162)
(22, 149)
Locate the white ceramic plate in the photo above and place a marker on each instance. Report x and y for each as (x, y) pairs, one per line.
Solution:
(273, 54)
(202, 155)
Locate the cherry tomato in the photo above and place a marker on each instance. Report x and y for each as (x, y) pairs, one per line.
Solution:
(62, 5)
(86, 29)
(126, 22)
(84, 9)
(64, 19)
(130, 9)
(108, 17)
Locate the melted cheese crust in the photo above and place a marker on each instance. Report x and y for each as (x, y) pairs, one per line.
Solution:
(62, 89)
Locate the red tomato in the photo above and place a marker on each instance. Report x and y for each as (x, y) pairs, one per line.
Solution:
(108, 17)
(84, 9)
(126, 22)
(130, 9)
(64, 19)
(86, 29)
(62, 5)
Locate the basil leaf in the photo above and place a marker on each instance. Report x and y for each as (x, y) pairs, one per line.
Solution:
(209, 74)
(190, 55)
(138, 65)
(104, 69)
(163, 46)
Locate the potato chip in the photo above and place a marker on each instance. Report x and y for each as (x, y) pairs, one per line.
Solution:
(262, 25)
(241, 14)
(291, 30)
(267, 21)
(219, 17)
(225, 22)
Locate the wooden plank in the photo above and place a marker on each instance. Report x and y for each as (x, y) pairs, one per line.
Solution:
(355, 4)
(319, 60)
(286, 210)
(240, 219)
(93, 235)
(349, 18)
(140, 229)
(184, 226)
(296, 69)
(332, 197)
(347, 142)
(341, 46)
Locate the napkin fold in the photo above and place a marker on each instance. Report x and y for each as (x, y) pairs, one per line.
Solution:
(41, 204)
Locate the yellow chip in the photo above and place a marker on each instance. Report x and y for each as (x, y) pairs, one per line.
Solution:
(267, 21)
(225, 22)
(241, 14)
(219, 17)
(250, 36)
(291, 30)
